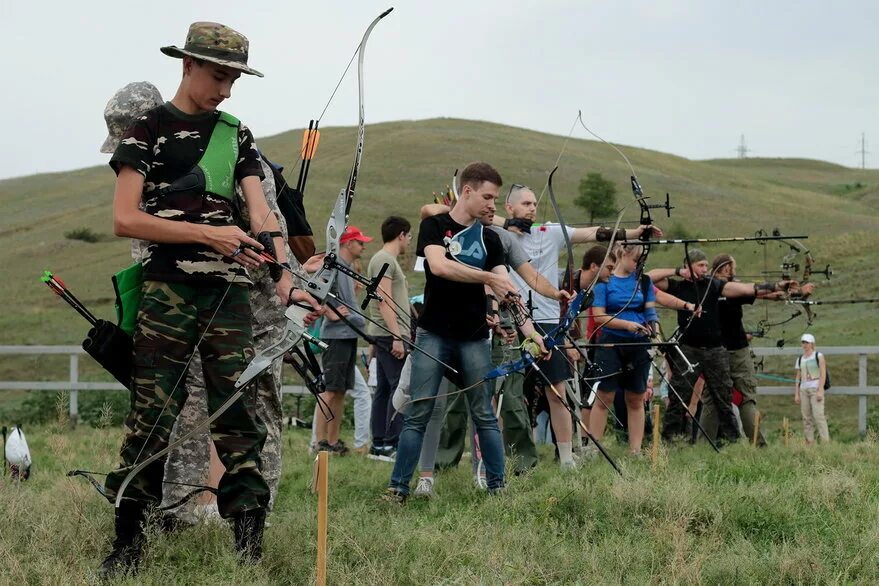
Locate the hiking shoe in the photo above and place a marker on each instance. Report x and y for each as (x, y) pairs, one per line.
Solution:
(425, 487)
(394, 496)
(339, 448)
(360, 450)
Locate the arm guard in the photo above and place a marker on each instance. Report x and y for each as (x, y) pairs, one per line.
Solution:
(605, 234)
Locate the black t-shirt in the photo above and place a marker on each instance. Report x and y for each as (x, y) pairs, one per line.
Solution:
(163, 145)
(452, 309)
(731, 328)
(702, 331)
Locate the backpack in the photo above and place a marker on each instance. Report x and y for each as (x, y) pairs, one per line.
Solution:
(826, 369)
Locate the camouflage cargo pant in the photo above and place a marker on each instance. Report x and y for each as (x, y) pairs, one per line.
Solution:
(171, 321)
(717, 418)
(188, 464)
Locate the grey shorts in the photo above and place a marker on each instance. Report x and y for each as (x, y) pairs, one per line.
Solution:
(338, 362)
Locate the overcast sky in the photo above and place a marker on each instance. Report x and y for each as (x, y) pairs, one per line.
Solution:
(797, 78)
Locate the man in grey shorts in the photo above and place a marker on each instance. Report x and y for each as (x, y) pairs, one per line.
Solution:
(340, 357)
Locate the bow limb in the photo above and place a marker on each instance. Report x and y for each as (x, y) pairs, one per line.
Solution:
(358, 152)
(567, 237)
(321, 283)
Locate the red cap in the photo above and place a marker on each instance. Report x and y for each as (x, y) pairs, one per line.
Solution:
(354, 233)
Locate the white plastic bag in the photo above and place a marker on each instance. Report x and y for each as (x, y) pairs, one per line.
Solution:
(18, 456)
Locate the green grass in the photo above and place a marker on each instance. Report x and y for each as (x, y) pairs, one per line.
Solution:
(778, 515)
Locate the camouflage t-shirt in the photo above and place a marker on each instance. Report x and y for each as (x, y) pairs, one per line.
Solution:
(162, 145)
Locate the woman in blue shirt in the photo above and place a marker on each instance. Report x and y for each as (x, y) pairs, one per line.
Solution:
(625, 310)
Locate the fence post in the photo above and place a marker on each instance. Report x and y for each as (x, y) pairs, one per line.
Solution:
(862, 399)
(74, 394)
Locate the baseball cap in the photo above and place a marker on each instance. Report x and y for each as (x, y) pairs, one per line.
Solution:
(353, 233)
(807, 338)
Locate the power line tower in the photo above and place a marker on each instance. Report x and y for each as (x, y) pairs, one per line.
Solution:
(863, 151)
(742, 149)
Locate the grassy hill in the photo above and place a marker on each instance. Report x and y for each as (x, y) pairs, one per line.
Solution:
(404, 162)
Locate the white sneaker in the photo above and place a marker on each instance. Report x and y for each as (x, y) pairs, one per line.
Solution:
(569, 465)
(425, 487)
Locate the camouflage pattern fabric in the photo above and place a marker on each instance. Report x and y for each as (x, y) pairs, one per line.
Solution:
(130, 102)
(163, 145)
(172, 318)
(188, 464)
(217, 43)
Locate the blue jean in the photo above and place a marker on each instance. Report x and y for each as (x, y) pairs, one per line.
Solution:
(474, 359)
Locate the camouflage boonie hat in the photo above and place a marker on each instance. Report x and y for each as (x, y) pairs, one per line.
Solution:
(126, 105)
(216, 43)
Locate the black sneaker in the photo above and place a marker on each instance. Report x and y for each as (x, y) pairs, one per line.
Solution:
(382, 453)
(324, 446)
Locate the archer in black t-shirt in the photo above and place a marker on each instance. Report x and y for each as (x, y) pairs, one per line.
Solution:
(455, 309)
(462, 261)
(702, 345)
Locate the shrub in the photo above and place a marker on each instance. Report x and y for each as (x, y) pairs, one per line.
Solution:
(84, 234)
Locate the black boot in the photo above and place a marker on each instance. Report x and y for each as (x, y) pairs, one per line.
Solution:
(128, 545)
(249, 527)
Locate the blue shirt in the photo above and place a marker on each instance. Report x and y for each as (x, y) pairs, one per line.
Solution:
(617, 294)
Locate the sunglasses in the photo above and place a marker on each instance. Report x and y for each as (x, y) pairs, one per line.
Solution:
(515, 186)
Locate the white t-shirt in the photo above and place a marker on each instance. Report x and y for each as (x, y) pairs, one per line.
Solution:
(543, 245)
(810, 371)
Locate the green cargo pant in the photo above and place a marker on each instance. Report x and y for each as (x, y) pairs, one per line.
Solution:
(172, 320)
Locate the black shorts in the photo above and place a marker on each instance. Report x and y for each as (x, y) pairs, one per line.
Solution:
(556, 368)
(625, 368)
(338, 362)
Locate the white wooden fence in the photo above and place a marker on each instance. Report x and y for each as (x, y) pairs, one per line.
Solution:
(73, 384)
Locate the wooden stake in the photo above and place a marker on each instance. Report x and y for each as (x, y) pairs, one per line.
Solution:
(654, 452)
(756, 428)
(323, 463)
(785, 427)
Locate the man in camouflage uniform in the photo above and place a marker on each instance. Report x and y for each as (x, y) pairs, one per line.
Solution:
(187, 465)
(194, 295)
